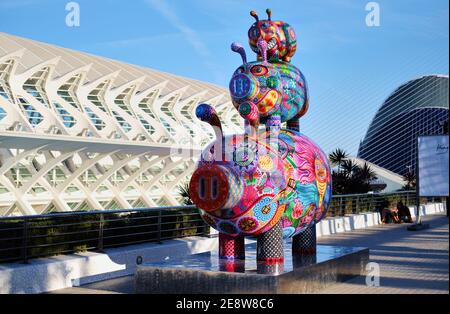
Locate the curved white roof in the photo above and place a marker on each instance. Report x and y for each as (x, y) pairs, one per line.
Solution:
(33, 53)
(80, 132)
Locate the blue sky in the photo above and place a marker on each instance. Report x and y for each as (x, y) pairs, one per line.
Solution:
(350, 68)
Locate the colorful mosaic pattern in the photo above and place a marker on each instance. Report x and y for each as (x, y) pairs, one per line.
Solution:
(280, 38)
(246, 184)
(291, 182)
(275, 89)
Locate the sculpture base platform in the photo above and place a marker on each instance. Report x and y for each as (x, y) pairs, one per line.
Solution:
(205, 273)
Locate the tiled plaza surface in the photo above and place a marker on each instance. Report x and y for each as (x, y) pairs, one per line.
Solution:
(409, 261)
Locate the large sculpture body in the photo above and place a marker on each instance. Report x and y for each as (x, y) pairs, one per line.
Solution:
(268, 182)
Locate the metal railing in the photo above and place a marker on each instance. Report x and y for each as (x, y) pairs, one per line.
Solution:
(342, 205)
(26, 237)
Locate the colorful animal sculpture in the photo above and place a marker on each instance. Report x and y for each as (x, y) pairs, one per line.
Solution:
(257, 180)
(277, 90)
(279, 36)
(266, 182)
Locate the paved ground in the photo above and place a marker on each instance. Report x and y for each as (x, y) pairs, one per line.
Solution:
(410, 261)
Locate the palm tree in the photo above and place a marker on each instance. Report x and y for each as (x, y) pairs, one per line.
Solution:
(366, 173)
(349, 167)
(350, 178)
(337, 157)
(184, 193)
(410, 180)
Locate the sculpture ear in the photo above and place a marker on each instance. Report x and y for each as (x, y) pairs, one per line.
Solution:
(207, 113)
(289, 33)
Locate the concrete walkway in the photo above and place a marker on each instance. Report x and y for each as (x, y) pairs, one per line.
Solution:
(410, 261)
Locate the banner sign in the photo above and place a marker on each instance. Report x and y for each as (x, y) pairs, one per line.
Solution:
(433, 165)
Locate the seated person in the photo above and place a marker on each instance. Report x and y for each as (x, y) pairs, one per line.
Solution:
(389, 214)
(403, 212)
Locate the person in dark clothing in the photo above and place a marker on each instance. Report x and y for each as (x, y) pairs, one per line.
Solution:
(389, 214)
(403, 212)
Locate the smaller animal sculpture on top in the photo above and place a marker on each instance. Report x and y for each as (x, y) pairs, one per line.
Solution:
(268, 92)
(279, 36)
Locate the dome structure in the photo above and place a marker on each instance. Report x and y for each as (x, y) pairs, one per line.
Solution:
(417, 107)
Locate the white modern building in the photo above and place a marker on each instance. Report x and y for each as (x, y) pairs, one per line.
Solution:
(417, 107)
(81, 132)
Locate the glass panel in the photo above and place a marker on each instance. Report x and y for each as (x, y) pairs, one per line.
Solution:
(66, 117)
(35, 86)
(33, 116)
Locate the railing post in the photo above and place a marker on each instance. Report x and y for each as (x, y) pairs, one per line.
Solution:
(100, 232)
(159, 226)
(25, 241)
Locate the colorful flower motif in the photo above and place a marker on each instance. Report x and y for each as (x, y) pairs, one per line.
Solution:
(247, 224)
(298, 209)
(249, 196)
(263, 211)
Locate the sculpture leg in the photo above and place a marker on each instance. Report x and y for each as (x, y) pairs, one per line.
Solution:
(305, 242)
(231, 247)
(232, 265)
(269, 246)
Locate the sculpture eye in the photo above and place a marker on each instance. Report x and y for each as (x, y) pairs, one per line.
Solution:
(253, 32)
(259, 70)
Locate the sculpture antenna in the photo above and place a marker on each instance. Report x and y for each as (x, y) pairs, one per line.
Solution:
(269, 14)
(255, 15)
(208, 114)
(238, 48)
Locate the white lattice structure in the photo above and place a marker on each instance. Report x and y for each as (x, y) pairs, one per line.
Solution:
(82, 132)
